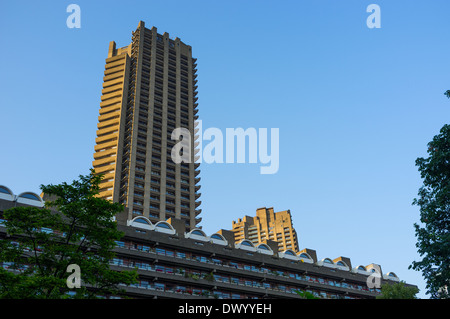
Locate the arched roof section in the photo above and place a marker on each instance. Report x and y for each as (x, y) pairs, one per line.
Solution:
(164, 227)
(264, 249)
(305, 257)
(263, 246)
(218, 239)
(289, 254)
(5, 190)
(31, 199)
(326, 262)
(342, 265)
(360, 270)
(391, 276)
(6, 193)
(197, 234)
(141, 222)
(374, 269)
(246, 244)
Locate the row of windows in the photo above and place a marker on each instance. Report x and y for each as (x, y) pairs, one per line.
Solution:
(171, 76)
(157, 121)
(218, 294)
(243, 266)
(233, 279)
(190, 290)
(195, 274)
(156, 167)
(193, 290)
(156, 205)
(155, 214)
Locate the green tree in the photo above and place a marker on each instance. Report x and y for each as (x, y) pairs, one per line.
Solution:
(447, 93)
(75, 227)
(433, 235)
(306, 294)
(398, 291)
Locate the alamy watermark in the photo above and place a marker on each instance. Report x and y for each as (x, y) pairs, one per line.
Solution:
(374, 19)
(74, 19)
(251, 142)
(74, 279)
(374, 280)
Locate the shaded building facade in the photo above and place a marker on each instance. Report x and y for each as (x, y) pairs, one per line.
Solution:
(175, 263)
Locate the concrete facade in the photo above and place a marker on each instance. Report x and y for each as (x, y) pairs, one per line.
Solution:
(174, 262)
(149, 89)
(267, 225)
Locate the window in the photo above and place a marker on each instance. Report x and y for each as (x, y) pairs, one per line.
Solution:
(120, 244)
(30, 196)
(4, 190)
(198, 232)
(246, 243)
(142, 221)
(163, 225)
(160, 251)
(180, 255)
(217, 236)
(159, 286)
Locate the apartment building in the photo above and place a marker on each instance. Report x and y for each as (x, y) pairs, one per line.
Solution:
(176, 263)
(267, 225)
(149, 89)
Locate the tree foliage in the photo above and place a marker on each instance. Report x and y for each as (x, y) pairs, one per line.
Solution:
(447, 93)
(306, 294)
(398, 291)
(433, 235)
(76, 227)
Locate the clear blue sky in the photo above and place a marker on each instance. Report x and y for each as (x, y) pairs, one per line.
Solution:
(355, 107)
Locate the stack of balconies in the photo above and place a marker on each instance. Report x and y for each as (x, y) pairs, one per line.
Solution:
(125, 192)
(111, 105)
(197, 186)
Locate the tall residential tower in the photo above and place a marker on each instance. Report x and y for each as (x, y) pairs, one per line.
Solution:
(267, 225)
(149, 89)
